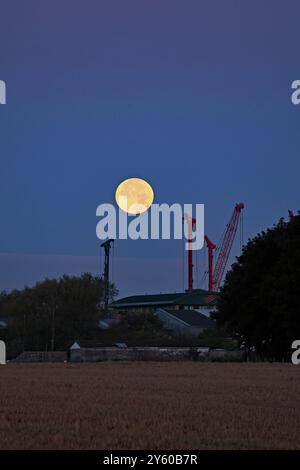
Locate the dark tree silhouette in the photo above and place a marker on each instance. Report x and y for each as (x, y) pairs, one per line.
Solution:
(260, 299)
(52, 313)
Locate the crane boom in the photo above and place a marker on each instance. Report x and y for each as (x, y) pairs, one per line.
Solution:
(226, 246)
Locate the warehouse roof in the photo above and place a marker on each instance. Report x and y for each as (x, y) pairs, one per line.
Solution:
(195, 297)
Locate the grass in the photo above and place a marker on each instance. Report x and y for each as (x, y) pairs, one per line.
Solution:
(149, 406)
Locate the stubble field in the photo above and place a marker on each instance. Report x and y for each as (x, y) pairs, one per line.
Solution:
(149, 406)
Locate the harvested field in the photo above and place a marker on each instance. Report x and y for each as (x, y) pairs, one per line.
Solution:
(149, 406)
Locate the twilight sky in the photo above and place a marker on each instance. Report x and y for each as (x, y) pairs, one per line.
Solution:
(192, 95)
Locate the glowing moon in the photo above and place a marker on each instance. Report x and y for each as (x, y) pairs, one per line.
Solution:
(134, 195)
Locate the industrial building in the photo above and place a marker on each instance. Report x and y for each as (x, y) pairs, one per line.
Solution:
(183, 313)
(205, 300)
(197, 299)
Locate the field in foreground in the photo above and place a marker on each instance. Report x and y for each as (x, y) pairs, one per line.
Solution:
(149, 406)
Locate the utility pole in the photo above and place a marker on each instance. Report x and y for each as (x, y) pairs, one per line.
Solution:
(106, 246)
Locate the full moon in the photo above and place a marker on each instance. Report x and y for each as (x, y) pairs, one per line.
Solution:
(134, 196)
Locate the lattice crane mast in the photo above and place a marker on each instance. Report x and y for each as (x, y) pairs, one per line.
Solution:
(215, 275)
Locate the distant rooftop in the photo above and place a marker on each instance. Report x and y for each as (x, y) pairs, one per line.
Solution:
(191, 318)
(195, 297)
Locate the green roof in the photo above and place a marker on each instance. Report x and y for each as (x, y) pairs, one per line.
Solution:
(199, 297)
(196, 297)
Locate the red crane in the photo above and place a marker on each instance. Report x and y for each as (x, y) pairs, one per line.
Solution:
(210, 247)
(216, 274)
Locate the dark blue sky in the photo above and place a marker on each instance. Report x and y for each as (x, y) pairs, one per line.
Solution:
(193, 96)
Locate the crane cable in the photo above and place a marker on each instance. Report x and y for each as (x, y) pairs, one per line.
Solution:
(205, 273)
(220, 241)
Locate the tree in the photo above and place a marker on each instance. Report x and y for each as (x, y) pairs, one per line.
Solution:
(260, 300)
(53, 313)
(137, 329)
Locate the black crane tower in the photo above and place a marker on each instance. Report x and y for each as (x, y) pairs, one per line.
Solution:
(107, 246)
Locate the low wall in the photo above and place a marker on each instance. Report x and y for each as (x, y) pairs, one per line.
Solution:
(133, 354)
(154, 354)
(223, 355)
(42, 356)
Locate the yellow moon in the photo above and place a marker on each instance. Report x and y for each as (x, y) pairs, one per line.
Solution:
(134, 195)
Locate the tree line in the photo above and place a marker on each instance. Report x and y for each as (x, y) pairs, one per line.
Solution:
(52, 313)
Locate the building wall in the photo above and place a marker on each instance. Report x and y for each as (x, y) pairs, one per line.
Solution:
(153, 308)
(144, 308)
